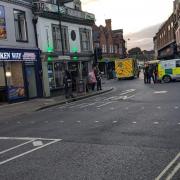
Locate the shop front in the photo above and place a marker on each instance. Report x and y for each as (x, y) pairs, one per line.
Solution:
(19, 74)
(56, 66)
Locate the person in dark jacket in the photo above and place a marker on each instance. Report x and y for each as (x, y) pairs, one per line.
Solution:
(151, 74)
(67, 81)
(145, 70)
(98, 78)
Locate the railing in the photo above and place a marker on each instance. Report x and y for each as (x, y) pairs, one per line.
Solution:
(40, 7)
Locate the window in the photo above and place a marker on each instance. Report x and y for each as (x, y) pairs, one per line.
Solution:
(169, 28)
(20, 25)
(178, 63)
(171, 24)
(57, 38)
(115, 49)
(104, 48)
(85, 39)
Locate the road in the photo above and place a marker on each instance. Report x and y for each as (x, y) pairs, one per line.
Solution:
(131, 133)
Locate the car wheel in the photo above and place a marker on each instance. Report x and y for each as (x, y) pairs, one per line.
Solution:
(166, 79)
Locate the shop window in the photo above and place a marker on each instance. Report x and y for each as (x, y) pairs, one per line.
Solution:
(56, 71)
(2, 75)
(59, 70)
(15, 80)
(85, 39)
(57, 38)
(20, 25)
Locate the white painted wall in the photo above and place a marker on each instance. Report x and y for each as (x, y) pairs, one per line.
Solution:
(44, 28)
(10, 42)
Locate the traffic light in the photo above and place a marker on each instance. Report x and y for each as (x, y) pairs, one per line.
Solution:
(97, 54)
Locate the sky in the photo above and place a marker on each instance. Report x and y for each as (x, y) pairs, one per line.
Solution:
(129, 15)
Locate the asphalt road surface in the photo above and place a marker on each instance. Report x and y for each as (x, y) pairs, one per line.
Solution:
(131, 133)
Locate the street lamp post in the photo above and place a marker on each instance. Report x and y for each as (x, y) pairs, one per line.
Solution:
(60, 26)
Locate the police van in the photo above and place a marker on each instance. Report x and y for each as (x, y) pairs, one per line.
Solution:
(169, 70)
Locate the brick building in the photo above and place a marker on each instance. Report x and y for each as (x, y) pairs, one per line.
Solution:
(112, 44)
(165, 40)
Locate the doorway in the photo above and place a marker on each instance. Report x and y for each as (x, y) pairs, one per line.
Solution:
(31, 81)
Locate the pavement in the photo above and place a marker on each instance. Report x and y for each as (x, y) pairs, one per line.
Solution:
(130, 133)
(15, 109)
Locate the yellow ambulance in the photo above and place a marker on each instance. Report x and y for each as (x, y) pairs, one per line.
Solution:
(169, 70)
(126, 68)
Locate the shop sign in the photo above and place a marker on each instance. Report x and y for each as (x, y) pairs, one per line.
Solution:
(17, 56)
(15, 93)
(3, 33)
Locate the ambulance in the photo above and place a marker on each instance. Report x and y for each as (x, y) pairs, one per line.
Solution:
(126, 68)
(169, 70)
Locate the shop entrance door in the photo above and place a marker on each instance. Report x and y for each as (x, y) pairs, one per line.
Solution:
(31, 81)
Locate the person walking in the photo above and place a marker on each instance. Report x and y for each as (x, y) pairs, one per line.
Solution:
(151, 74)
(92, 79)
(145, 70)
(67, 81)
(156, 73)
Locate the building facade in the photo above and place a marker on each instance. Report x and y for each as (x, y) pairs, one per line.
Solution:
(20, 67)
(112, 44)
(166, 41)
(64, 35)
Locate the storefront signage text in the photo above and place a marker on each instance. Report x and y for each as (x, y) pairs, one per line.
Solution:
(12, 56)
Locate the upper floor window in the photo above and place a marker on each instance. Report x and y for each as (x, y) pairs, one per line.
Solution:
(85, 39)
(171, 24)
(57, 43)
(20, 25)
(115, 49)
(104, 48)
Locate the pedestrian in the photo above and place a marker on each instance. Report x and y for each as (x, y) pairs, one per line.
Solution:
(92, 79)
(98, 78)
(151, 74)
(67, 81)
(156, 73)
(145, 70)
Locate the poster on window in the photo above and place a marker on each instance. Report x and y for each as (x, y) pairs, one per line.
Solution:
(15, 93)
(3, 34)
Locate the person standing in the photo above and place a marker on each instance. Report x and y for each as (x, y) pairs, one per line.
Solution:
(67, 81)
(98, 78)
(145, 70)
(151, 74)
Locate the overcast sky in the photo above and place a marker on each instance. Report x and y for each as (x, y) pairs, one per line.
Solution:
(130, 15)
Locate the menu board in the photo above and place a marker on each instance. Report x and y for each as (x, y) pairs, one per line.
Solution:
(3, 33)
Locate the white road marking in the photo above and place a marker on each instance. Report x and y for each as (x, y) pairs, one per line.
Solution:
(28, 152)
(142, 107)
(178, 123)
(104, 104)
(112, 108)
(2, 152)
(155, 122)
(126, 108)
(168, 167)
(78, 121)
(37, 143)
(88, 105)
(96, 121)
(127, 91)
(46, 121)
(114, 121)
(158, 107)
(175, 170)
(134, 122)
(61, 121)
(160, 92)
(128, 97)
(27, 138)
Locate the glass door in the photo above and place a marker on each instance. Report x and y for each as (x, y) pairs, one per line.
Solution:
(31, 81)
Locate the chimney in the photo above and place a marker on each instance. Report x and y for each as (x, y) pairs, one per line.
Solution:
(108, 24)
